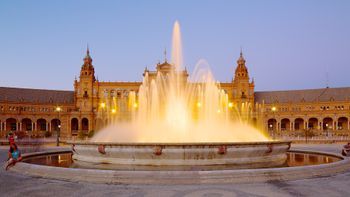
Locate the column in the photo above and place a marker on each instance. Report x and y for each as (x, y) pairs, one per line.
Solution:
(32, 126)
(47, 126)
(306, 125)
(348, 124)
(17, 126)
(335, 123)
(5, 126)
(35, 126)
(20, 126)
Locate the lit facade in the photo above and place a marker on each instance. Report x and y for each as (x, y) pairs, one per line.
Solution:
(93, 104)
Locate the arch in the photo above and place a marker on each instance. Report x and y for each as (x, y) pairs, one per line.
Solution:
(55, 123)
(343, 123)
(272, 124)
(327, 123)
(85, 124)
(11, 124)
(285, 124)
(299, 124)
(74, 125)
(41, 124)
(27, 124)
(313, 123)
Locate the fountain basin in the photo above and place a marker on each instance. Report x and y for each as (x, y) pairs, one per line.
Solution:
(249, 155)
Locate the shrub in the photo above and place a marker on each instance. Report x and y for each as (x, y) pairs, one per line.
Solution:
(91, 133)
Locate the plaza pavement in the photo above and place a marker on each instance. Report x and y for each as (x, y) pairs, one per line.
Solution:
(14, 184)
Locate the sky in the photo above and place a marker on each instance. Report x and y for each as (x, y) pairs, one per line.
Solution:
(295, 44)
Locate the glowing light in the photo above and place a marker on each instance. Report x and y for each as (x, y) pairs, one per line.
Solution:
(273, 108)
(113, 111)
(165, 111)
(58, 109)
(230, 105)
(103, 105)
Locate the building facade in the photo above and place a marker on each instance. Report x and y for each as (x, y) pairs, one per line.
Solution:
(94, 104)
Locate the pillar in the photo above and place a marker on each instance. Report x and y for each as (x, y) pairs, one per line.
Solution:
(20, 126)
(17, 126)
(5, 126)
(348, 124)
(47, 126)
(35, 126)
(335, 123)
(32, 126)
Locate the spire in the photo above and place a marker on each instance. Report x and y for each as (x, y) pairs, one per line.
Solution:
(165, 60)
(87, 58)
(241, 60)
(87, 50)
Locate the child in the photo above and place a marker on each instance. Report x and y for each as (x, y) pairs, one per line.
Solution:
(14, 156)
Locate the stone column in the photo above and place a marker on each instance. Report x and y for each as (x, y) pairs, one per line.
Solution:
(47, 126)
(32, 126)
(5, 126)
(20, 126)
(306, 125)
(35, 126)
(348, 124)
(335, 123)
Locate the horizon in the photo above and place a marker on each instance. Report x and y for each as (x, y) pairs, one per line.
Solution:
(303, 45)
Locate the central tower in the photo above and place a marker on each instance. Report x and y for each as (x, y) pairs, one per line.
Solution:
(243, 89)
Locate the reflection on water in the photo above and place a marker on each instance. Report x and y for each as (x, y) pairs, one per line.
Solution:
(65, 161)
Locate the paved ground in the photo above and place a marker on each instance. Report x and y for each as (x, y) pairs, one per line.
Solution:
(12, 184)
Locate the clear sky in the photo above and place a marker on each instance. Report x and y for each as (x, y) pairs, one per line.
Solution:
(292, 44)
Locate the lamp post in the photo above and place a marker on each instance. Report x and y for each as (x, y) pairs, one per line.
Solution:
(273, 109)
(58, 110)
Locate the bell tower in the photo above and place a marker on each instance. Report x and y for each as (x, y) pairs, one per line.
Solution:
(84, 88)
(243, 89)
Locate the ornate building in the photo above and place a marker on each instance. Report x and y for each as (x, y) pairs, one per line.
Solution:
(37, 112)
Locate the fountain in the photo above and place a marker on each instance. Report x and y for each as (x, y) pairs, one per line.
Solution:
(179, 122)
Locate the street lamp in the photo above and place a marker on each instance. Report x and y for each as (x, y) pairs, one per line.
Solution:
(273, 109)
(58, 110)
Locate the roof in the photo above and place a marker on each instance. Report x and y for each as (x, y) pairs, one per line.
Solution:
(8, 94)
(309, 95)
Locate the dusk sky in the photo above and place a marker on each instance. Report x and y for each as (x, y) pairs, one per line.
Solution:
(287, 44)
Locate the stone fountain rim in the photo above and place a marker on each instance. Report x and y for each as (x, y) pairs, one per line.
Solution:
(181, 177)
(176, 143)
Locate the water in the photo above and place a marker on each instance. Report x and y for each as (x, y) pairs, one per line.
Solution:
(65, 161)
(171, 109)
